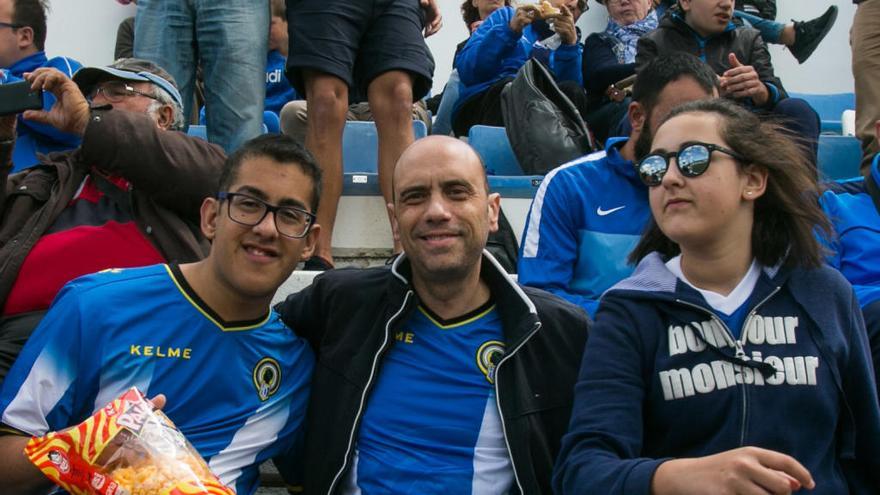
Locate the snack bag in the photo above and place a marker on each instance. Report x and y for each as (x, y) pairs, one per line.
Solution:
(126, 448)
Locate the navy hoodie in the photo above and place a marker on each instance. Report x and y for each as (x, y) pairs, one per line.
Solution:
(663, 378)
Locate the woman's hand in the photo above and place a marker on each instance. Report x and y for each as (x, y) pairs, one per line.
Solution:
(743, 471)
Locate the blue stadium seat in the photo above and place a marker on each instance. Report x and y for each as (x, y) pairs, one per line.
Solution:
(271, 122)
(829, 107)
(199, 131)
(839, 157)
(360, 145)
(494, 148)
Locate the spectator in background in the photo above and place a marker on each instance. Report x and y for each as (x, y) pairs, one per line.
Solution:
(345, 51)
(853, 206)
(588, 213)
(278, 88)
(610, 57)
(228, 39)
(202, 334)
(502, 44)
(22, 44)
(732, 360)
(473, 12)
(800, 37)
(128, 196)
(865, 41)
(738, 56)
(125, 36)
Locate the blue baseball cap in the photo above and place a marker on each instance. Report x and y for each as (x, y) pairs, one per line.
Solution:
(128, 69)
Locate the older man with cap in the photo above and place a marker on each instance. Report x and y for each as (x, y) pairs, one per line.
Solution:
(128, 196)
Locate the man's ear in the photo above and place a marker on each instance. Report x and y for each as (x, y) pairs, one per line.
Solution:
(25, 37)
(637, 116)
(210, 212)
(165, 117)
(395, 228)
(685, 5)
(311, 240)
(494, 211)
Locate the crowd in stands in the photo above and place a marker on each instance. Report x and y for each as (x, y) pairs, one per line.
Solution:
(730, 296)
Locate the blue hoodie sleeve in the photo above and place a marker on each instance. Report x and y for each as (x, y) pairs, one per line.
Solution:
(482, 58)
(567, 63)
(68, 66)
(549, 250)
(601, 451)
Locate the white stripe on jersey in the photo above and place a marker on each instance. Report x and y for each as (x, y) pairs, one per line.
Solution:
(350, 485)
(117, 379)
(258, 432)
(41, 391)
(493, 472)
(533, 233)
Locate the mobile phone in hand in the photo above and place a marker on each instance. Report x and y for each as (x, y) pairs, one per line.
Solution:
(18, 97)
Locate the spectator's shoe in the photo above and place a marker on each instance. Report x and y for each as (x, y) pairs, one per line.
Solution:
(808, 34)
(317, 264)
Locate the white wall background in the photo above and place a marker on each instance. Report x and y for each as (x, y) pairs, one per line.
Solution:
(86, 30)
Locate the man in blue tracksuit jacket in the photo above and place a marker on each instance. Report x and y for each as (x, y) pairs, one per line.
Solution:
(588, 214)
(853, 206)
(496, 51)
(21, 50)
(797, 381)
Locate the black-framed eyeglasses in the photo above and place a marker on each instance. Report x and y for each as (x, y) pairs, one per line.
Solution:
(10, 25)
(116, 91)
(245, 209)
(692, 158)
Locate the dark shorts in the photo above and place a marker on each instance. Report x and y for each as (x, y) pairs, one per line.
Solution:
(357, 40)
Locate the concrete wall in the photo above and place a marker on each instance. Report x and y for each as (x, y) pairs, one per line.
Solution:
(86, 30)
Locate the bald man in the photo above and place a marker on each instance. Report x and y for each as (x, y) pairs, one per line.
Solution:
(440, 374)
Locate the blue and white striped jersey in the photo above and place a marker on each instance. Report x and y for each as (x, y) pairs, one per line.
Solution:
(237, 390)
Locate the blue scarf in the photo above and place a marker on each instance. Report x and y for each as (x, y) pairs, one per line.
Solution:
(629, 36)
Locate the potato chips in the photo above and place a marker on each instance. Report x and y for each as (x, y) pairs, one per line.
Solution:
(126, 448)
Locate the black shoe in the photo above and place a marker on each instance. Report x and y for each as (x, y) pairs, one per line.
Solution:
(808, 34)
(317, 264)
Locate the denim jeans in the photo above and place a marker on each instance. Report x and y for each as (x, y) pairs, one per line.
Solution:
(229, 38)
(771, 31)
(443, 122)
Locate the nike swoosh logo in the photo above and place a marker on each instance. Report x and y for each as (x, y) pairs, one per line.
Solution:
(602, 213)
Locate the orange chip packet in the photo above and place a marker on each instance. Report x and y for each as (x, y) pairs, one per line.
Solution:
(126, 448)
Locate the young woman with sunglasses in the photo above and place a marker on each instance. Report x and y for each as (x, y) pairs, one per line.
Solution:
(732, 361)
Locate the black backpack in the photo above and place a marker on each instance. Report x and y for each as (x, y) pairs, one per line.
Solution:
(544, 127)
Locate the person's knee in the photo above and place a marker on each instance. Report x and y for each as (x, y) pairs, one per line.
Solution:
(294, 120)
(391, 96)
(327, 98)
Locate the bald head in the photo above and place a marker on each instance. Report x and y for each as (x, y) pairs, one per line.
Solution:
(433, 150)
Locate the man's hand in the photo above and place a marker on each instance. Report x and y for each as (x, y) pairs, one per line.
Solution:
(523, 16)
(433, 19)
(70, 113)
(742, 81)
(158, 401)
(747, 470)
(564, 26)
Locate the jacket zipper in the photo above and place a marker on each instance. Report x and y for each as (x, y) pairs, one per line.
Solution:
(366, 392)
(739, 345)
(498, 401)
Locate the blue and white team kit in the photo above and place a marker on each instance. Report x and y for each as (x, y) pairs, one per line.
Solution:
(431, 424)
(237, 390)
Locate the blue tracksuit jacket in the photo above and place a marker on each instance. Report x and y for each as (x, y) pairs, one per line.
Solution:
(663, 378)
(586, 217)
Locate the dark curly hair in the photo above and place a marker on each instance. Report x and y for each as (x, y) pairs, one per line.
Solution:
(470, 14)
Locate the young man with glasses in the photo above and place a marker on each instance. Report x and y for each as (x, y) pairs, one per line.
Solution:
(589, 213)
(128, 196)
(202, 334)
(22, 44)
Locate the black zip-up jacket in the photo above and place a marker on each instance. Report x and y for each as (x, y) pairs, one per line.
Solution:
(350, 317)
(674, 35)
